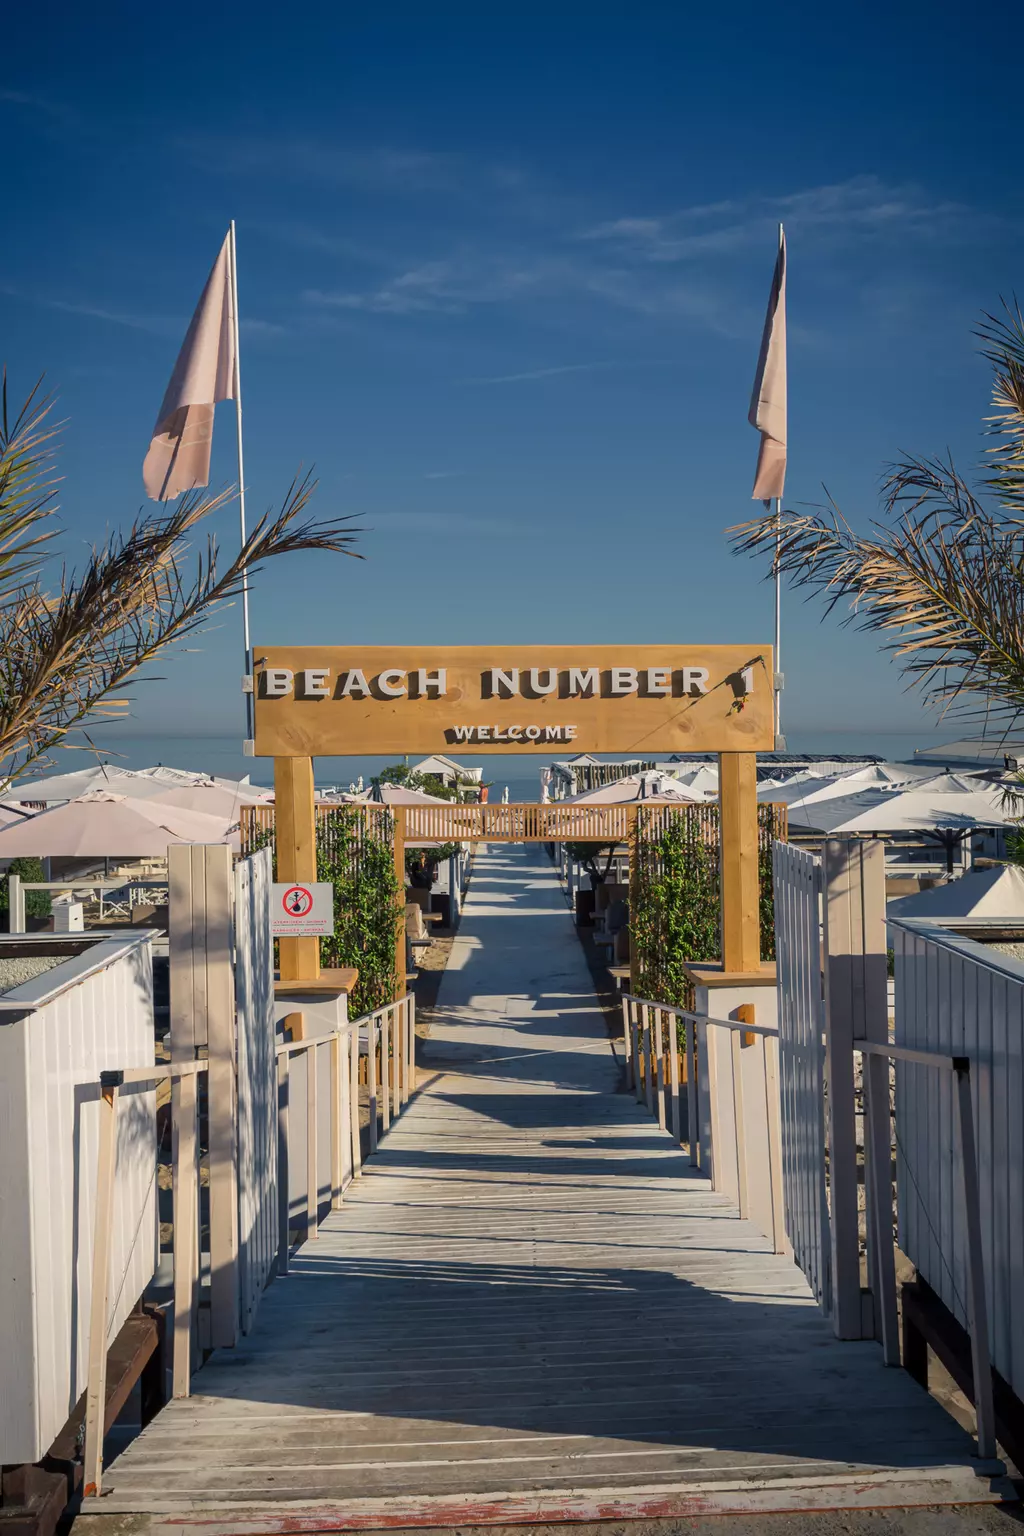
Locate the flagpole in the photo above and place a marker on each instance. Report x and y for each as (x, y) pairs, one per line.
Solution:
(241, 477)
(780, 740)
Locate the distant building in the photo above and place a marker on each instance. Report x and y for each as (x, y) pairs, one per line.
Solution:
(448, 770)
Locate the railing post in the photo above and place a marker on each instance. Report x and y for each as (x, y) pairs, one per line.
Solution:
(637, 1041)
(312, 1160)
(673, 1066)
(385, 1070)
(410, 1081)
(16, 904)
(977, 1302)
(627, 1042)
(371, 1077)
(353, 1102)
(336, 1103)
(185, 1175)
(645, 1014)
(659, 1064)
(397, 1046)
(692, 1092)
(284, 1203)
(96, 1384)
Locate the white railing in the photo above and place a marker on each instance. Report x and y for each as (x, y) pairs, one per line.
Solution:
(99, 889)
(185, 1186)
(797, 881)
(386, 1038)
(961, 999)
(732, 1129)
(956, 1070)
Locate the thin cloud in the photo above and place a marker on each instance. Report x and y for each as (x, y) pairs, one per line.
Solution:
(443, 474)
(543, 373)
(431, 524)
(863, 206)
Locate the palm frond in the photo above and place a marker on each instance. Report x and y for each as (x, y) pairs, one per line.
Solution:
(28, 488)
(66, 650)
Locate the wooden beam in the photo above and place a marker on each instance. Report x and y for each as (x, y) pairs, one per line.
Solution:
(295, 833)
(634, 894)
(740, 895)
(399, 849)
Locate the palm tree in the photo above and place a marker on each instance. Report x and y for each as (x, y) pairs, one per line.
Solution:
(942, 578)
(68, 646)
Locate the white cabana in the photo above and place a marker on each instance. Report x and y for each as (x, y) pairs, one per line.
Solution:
(448, 770)
(103, 825)
(991, 893)
(651, 785)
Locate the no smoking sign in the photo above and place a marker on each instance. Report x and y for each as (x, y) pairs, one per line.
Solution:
(300, 911)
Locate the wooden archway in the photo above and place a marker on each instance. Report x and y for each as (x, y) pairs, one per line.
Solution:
(295, 818)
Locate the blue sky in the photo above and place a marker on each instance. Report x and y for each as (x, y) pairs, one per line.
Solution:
(503, 271)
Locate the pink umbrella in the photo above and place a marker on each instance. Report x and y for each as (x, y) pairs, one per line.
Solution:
(104, 825)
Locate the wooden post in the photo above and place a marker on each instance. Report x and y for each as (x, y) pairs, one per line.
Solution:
(336, 1110)
(295, 835)
(185, 1176)
(634, 895)
(201, 892)
(741, 924)
(398, 812)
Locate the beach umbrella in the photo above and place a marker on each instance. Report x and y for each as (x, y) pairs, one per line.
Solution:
(68, 786)
(997, 892)
(882, 811)
(207, 796)
(104, 825)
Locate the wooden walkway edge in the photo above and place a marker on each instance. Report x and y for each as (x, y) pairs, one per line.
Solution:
(531, 1309)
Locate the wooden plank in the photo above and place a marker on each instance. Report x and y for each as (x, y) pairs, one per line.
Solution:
(295, 837)
(544, 1289)
(215, 955)
(689, 706)
(741, 923)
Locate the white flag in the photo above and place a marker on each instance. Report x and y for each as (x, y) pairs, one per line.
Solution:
(768, 406)
(179, 455)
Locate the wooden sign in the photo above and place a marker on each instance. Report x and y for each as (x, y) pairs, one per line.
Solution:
(336, 701)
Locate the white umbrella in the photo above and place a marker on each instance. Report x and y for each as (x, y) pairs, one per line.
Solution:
(206, 796)
(68, 786)
(102, 825)
(997, 892)
(903, 810)
(396, 794)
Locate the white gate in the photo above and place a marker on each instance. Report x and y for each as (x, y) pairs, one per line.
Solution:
(798, 950)
(257, 1082)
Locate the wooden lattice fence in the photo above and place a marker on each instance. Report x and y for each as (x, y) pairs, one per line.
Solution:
(675, 894)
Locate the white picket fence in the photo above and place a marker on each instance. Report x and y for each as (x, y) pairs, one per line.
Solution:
(257, 1082)
(801, 1014)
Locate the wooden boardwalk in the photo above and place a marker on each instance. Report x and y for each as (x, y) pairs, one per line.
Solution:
(531, 1308)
